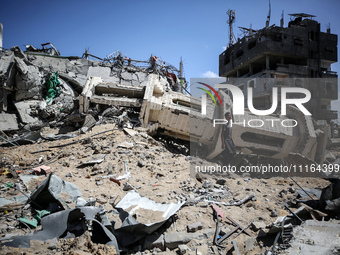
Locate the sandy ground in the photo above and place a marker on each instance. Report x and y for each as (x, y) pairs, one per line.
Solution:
(158, 174)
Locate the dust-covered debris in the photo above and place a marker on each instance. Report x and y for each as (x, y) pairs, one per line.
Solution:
(164, 178)
(117, 128)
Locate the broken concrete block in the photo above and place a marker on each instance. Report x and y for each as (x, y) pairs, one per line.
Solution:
(127, 187)
(263, 232)
(194, 227)
(182, 249)
(52, 244)
(140, 163)
(250, 243)
(8, 122)
(29, 82)
(154, 240)
(257, 225)
(99, 71)
(203, 249)
(6, 61)
(22, 67)
(89, 121)
(24, 110)
(274, 213)
(83, 130)
(206, 184)
(221, 181)
(329, 156)
(315, 237)
(172, 240)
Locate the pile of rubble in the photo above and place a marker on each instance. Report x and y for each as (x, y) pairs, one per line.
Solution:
(122, 189)
(48, 90)
(84, 172)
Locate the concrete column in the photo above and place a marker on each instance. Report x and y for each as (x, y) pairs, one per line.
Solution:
(1, 30)
(267, 62)
(251, 69)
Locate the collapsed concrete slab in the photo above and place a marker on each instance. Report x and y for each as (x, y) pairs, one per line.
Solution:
(24, 110)
(8, 122)
(318, 237)
(177, 115)
(151, 91)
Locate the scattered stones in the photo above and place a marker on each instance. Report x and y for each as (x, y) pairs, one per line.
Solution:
(68, 175)
(182, 249)
(140, 163)
(202, 204)
(221, 181)
(127, 187)
(283, 192)
(207, 184)
(160, 185)
(273, 213)
(98, 183)
(193, 227)
(257, 225)
(250, 244)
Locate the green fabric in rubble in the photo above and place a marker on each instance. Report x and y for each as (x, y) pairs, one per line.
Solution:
(33, 222)
(52, 84)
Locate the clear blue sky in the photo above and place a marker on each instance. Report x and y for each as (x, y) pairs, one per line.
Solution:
(195, 30)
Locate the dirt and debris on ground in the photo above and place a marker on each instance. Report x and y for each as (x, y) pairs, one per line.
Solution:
(162, 175)
(81, 245)
(94, 181)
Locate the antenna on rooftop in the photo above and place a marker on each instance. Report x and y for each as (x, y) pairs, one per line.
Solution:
(231, 20)
(268, 16)
(282, 21)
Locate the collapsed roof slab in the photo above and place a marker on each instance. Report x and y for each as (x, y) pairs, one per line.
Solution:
(24, 110)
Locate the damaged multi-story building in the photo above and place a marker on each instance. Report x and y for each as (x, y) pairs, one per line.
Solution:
(299, 55)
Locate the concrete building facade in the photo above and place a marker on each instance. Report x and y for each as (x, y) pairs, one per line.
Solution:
(286, 56)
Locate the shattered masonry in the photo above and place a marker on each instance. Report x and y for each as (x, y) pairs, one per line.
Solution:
(45, 89)
(85, 91)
